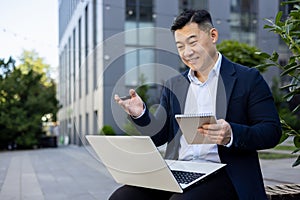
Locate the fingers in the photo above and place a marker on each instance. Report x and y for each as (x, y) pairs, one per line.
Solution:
(218, 133)
(132, 104)
(125, 98)
(221, 126)
(212, 127)
(119, 99)
(216, 137)
(132, 92)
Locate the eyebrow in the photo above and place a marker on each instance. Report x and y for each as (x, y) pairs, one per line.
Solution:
(191, 37)
(187, 39)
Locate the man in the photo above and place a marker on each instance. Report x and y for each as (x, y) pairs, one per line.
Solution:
(237, 95)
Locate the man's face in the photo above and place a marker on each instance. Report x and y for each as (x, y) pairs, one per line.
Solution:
(196, 48)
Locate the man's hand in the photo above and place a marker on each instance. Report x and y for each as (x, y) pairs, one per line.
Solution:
(219, 133)
(134, 106)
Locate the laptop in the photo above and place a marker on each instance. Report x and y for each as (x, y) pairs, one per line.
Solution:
(135, 160)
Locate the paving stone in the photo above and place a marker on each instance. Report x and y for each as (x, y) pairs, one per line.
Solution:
(71, 172)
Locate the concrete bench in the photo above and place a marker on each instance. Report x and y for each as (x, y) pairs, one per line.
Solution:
(283, 192)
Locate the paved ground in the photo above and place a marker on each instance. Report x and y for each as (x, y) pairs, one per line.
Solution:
(55, 174)
(75, 173)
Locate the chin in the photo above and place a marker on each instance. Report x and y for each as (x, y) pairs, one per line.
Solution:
(194, 67)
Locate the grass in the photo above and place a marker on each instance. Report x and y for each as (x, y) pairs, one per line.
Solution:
(273, 156)
(285, 148)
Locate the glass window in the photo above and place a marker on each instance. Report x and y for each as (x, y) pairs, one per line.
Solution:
(147, 58)
(146, 35)
(137, 63)
(139, 40)
(243, 20)
(192, 4)
(145, 11)
(95, 123)
(131, 10)
(130, 67)
(131, 33)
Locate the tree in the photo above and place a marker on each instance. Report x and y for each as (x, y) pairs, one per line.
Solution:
(6, 99)
(289, 31)
(241, 53)
(26, 95)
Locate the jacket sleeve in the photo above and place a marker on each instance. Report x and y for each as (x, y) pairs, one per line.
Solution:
(260, 127)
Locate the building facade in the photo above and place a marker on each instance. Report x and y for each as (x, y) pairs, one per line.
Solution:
(109, 46)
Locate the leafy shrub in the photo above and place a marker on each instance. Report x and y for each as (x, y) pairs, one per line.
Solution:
(107, 130)
(288, 30)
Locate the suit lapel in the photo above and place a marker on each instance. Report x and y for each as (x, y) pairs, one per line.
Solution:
(180, 90)
(225, 86)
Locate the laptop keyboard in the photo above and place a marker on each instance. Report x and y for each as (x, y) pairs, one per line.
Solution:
(184, 177)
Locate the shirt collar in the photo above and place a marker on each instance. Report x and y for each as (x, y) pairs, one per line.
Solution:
(214, 72)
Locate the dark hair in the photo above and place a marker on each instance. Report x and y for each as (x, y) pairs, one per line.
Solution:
(201, 17)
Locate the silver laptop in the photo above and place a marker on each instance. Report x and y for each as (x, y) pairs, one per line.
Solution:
(135, 160)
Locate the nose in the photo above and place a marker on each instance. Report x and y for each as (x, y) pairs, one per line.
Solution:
(188, 51)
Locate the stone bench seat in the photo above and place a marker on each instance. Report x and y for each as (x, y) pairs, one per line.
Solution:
(283, 192)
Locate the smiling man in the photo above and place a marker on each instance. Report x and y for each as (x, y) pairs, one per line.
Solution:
(238, 96)
(197, 48)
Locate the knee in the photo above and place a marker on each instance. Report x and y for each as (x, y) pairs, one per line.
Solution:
(118, 194)
(125, 193)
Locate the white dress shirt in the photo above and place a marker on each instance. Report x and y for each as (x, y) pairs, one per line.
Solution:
(201, 98)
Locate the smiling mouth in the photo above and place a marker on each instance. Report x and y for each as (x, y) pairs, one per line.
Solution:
(192, 60)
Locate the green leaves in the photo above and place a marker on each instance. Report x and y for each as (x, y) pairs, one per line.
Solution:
(6, 67)
(297, 162)
(26, 95)
(297, 144)
(289, 31)
(242, 53)
(266, 57)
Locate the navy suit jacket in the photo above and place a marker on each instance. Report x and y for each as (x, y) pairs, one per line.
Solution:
(245, 101)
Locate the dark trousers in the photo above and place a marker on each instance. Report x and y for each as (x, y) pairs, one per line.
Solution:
(217, 186)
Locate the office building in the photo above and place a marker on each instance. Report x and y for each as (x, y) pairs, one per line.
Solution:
(109, 46)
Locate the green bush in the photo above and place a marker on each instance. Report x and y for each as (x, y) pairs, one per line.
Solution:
(107, 130)
(130, 129)
(288, 30)
(241, 53)
(27, 141)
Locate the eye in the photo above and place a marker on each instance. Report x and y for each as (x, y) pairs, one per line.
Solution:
(180, 47)
(193, 43)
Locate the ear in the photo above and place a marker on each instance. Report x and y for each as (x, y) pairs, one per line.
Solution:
(214, 35)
